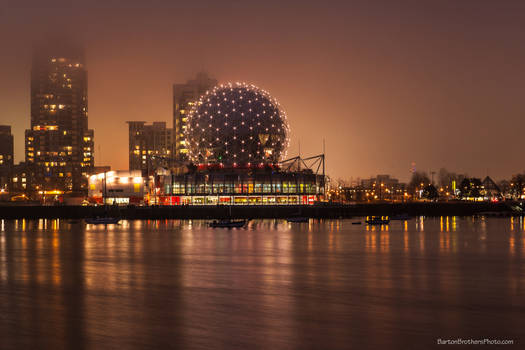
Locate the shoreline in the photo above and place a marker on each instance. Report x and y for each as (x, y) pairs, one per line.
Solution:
(324, 211)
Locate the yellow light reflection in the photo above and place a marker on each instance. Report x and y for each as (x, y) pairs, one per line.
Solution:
(370, 240)
(56, 259)
(385, 241)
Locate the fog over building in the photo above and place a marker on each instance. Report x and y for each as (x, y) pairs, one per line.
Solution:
(184, 96)
(59, 144)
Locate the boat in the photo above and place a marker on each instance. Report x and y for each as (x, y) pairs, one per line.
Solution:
(377, 221)
(298, 219)
(401, 217)
(356, 223)
(102, 220)
(227, 223)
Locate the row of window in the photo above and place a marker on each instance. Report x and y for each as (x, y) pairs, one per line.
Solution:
(257, 187)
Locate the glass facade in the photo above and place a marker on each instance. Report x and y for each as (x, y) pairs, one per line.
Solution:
(215, 188)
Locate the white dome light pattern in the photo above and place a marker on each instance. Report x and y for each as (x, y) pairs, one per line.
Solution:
(237, 124)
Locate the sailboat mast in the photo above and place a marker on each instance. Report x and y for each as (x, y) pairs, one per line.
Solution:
(104, 194)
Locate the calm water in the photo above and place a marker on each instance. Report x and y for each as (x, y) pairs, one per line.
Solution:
(273, 285)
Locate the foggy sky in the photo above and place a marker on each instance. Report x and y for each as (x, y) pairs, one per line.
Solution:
(386, 83)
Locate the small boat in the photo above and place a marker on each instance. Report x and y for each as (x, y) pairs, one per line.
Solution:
(298, 219)
(377, 221)
(227, 223)
(401, 217)
(356, 223)
(102, 221)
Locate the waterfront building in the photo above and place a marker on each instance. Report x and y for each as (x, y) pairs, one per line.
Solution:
(6, 157)
(59, 145)
(184, 97)
(491, 191)
(263, 186)
(117, 187)
(149, 146)
(208, 186)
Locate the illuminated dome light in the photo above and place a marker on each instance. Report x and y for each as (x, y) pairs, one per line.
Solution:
(256, 132)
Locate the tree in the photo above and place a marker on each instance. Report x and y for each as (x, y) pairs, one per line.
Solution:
(517, 184)
(430, 192)
(470, 188)
(504, 186)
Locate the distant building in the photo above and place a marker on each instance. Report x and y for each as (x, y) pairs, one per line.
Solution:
(184, 96)
(149, 146)
(6, 156)
(385, 180)
(59, 145)
(379, 188)
(491, 191)
(21, 177)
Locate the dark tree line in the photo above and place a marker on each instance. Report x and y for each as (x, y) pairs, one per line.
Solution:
(464, 186)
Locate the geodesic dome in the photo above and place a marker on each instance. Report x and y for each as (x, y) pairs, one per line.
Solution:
(236, 124)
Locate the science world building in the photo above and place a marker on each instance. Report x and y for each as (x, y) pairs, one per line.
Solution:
(237, 136)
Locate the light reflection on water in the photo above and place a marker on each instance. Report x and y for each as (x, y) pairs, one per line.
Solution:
(274, 284)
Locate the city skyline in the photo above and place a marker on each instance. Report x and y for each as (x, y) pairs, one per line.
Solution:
(383, 90)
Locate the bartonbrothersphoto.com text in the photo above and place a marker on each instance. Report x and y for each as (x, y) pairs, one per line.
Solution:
(460, 341)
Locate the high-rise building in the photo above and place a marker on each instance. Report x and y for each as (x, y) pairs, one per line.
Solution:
(59, 145)
(149, 146)
(6, 156)
(184, 96)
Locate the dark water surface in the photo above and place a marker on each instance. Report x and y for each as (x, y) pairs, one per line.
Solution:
(273, 285)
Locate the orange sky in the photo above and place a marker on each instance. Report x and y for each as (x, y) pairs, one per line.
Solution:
(438, 83)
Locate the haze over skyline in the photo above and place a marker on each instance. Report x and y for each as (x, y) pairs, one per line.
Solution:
(438, 83)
